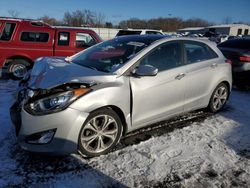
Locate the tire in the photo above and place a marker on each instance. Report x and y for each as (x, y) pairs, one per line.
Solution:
(100, 132)
(219, 98)
(17, 69)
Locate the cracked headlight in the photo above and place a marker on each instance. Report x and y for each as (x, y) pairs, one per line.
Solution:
(55, 103)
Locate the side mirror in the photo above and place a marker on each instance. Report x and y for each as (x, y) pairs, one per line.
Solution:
(145, 70)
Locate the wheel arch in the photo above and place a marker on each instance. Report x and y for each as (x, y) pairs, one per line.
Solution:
(11, 58)
(228, 87)
(119, 112)
(218, 83)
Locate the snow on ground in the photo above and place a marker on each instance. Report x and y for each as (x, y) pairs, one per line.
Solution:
(212, 152)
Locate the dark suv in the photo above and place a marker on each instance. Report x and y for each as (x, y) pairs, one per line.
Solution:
(238, 51)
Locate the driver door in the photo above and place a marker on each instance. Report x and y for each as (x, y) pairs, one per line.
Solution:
(160, 96)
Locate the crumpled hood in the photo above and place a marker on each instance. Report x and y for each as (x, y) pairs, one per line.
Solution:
(51, 72)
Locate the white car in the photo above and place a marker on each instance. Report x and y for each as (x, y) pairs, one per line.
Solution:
(139, 32)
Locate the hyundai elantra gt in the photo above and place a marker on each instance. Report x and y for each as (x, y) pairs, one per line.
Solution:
(87, 102)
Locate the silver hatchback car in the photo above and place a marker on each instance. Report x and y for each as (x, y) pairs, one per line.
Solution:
(87, 102)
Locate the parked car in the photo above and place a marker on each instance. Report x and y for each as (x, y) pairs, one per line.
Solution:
(246, 36)
(123, 32)
(238, 51)
(88, 101)
(22, 41)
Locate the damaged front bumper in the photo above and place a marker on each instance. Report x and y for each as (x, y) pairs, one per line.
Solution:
(66, 125)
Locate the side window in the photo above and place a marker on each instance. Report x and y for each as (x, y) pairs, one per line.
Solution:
(34, 37)
(63, 38)
(84, 40)
(196, 52)
(8, 31)
(239, 32)
(164, 57)
(246, 32)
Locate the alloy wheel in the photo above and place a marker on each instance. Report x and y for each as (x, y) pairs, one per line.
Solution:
(99, 134)
(18, 70)
(220, 97)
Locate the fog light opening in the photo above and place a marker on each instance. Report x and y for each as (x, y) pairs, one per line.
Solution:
(44, 137)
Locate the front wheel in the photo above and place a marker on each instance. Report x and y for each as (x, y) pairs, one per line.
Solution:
(17, 69)
(218, 98)
(100, 133)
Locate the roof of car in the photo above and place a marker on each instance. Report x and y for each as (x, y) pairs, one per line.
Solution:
(129, 29)
(141, 38)
(17, 19)
(242, 43)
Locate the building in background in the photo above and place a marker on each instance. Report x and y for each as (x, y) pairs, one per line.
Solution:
(227, 29)
(230, 29)
(105, 33)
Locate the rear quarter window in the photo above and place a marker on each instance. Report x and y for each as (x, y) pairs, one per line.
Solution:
(34, 37)
(63, 38)
(197, 52)
(8, 31)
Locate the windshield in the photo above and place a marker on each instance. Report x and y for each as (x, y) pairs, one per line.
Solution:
(110, 55)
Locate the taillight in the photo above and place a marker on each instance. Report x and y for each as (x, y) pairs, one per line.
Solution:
(228, 61)
(245, 58)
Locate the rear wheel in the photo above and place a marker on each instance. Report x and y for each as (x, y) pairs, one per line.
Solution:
(218, 98)
(18, 68)
(100, 133)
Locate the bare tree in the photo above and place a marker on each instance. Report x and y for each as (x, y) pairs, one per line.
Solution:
(67, 18)
(90, 17)
(13, 13)
(83, 18)
(50, 20)
(165, 24)
(109, 25)
(99, 19)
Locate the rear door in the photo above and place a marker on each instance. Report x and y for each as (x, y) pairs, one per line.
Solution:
(162, 95)
(201, 66)
(64, 45)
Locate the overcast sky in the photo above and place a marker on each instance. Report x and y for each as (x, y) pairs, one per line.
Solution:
(115, 10)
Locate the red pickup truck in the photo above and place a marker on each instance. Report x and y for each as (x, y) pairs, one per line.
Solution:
(22, 41)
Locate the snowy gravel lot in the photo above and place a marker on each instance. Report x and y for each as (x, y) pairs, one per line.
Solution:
(211, 151)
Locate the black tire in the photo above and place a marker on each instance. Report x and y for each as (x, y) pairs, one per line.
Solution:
(17, 69)
(82, 146)
(212, 107)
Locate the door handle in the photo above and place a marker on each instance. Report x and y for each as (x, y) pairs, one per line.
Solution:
(214, 65)
(180, 76)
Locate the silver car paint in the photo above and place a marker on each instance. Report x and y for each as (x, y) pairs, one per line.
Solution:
(51, 72)
(68, 124)
(174, 96)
